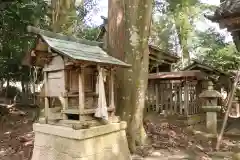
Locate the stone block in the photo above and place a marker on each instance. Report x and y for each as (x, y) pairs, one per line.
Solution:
(105, 142)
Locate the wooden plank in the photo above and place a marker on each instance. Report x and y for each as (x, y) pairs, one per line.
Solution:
(84, 112)
(186, 98)
(57, 63)
(46, 97)
(81, 90)
(87, 94)
(56, 83)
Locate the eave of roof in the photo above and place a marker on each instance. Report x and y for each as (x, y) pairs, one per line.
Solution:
(82, 52)
(179, 75)
(227, 9)
(172, 55)
(197, 64)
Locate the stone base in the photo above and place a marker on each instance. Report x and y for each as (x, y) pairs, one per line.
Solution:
(106, 142)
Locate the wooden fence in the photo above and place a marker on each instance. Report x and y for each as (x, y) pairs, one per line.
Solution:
(178, 96)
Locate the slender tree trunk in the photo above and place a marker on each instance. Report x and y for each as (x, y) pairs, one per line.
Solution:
(7, 88)
(137, 16)
(63, 16)
(183, 28)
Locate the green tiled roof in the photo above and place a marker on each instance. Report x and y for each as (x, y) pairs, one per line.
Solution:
(80, 51)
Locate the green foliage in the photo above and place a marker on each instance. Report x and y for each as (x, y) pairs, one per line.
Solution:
(89, 33)
(212, 50)
(14, 39)
(177, 20)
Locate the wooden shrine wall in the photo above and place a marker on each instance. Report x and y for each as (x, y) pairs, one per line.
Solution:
(55, 77)
(174, 97)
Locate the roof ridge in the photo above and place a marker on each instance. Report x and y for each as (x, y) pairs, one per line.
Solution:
(50, 34)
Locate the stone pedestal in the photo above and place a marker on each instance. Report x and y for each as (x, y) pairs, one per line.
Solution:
(211, 122)
(106, 142)
(211, 118)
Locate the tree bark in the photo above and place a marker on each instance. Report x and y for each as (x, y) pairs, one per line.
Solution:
(134, 49)
(63, 16)
(115, 43)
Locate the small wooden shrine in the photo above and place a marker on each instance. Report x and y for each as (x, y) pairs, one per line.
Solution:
(161, 60)
(221, 79)
(78, 76)
(175, 93)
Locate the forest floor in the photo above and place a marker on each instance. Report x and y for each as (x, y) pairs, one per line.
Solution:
(16, 135)
(171, 142)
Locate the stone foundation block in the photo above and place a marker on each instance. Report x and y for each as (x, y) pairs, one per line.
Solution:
(107, 142)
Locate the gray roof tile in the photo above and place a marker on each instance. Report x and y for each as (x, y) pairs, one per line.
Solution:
(79, 51)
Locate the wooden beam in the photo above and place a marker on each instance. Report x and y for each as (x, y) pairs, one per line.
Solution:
(46, 97)
(81, 90)
(85, 112)
(195, 74)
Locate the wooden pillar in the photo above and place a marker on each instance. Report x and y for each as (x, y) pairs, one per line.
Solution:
(81, 91)
(180, 99)
(198, 91)
(186, 98)
(46, 98)
(176, 94)
(65, 99)
(162, 96)
(157, 90)
(171, 98)
(157, 96)
(111, 89)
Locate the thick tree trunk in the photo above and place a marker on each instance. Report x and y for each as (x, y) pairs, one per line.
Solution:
(136, 26)
(115, 42)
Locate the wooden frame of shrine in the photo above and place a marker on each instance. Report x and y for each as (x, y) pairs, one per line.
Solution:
(174, 93)
(76, 74)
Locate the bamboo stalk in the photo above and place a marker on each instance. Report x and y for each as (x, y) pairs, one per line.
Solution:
(228, 110)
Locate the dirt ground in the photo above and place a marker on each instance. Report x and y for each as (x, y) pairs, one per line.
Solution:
(170, 141)
(175, 141)
(16, 135)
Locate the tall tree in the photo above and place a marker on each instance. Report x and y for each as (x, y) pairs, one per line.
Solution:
(210, 47)
(178, 29)
(14, 40)
(134, 32)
